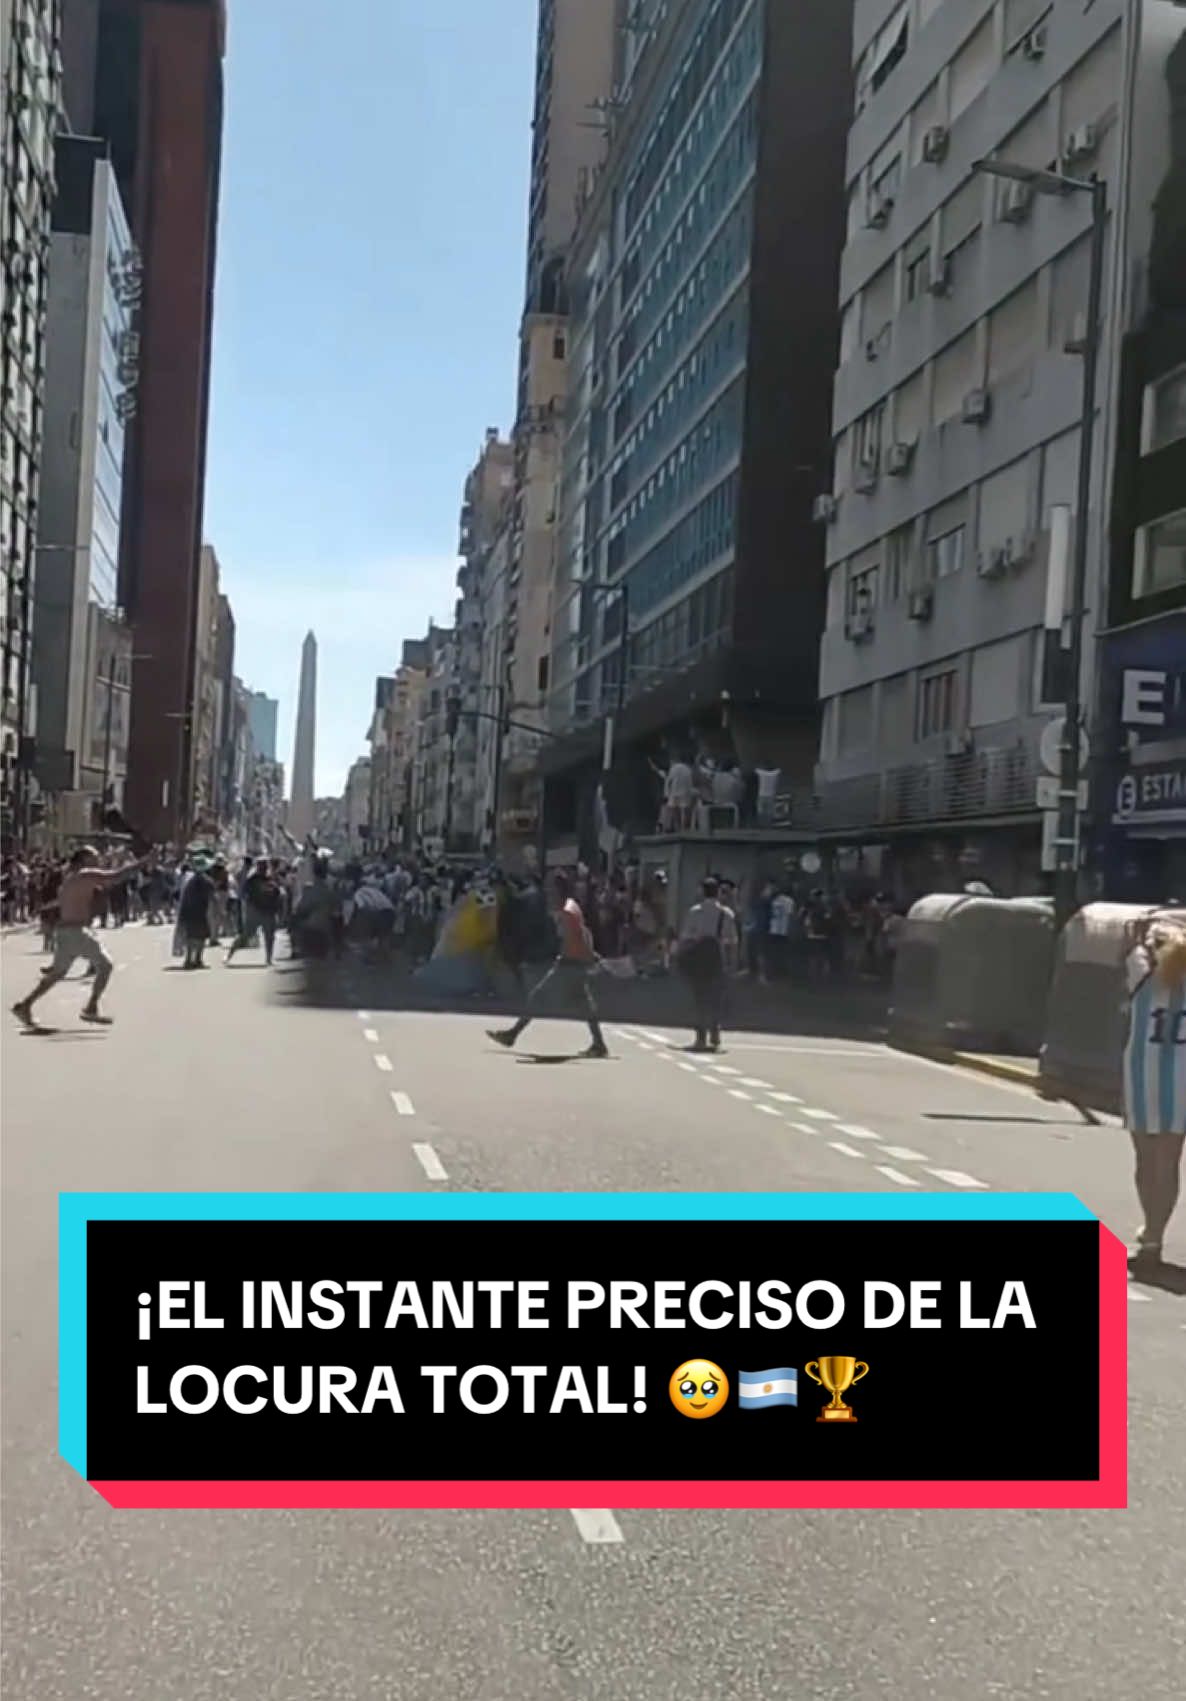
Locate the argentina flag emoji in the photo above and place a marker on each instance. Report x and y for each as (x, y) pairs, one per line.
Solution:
(758, 1388)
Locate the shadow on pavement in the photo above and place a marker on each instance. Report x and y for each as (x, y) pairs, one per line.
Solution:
(1170, 1278)
(857, 1010)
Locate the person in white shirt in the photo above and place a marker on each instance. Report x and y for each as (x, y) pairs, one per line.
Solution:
(679, 797)
(767, 779)
(782, 915)
(707, 954)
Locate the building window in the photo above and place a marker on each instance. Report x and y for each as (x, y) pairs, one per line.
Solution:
(936, 704)
(1159, 562)
(945, 554)
(1165, 412)
(862, 594)
(890, 48)
(866, 443)
(918, 272)
(559, 346)
(898, 546)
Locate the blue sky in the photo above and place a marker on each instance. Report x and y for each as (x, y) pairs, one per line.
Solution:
(370, 281)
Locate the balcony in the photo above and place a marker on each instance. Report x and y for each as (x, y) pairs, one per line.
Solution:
(966, 786)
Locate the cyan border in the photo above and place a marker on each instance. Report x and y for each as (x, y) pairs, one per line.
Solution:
(76, 1210)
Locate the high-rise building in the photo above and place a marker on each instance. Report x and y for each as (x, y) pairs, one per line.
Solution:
(703, 278)
(146, 76)
(1138, 800)
(958, 402)
(29, 112)
(577, 50)
(300, 810)
(82, 646)
(356, 807)
(394, 736)
(202, 784)
(483, 514)
(262, 711)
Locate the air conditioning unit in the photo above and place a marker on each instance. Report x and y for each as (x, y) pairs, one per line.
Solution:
(939, 277)
(859, 626)
(824, 508)
(866, 477)
(921, 603)
(898, 457)
(976, 407)
(1033, 45)
(1080, 144)
(880, 207)
(1016, 202)
(991, 563)
(960, 743)
(935, 144)
(1019, 550)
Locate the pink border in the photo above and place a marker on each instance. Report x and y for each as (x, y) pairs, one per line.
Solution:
(1111, 1490)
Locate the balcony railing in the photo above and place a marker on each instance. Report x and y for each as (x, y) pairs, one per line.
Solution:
(949, 788)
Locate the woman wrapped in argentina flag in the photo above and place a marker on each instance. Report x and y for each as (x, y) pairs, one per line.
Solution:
(1155, 1071)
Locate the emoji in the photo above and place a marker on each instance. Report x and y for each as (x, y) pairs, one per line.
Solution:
(698, 1388)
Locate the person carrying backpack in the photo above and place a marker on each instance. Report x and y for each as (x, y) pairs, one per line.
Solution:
(707, 952)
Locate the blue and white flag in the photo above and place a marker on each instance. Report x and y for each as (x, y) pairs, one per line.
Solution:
(757, 1388)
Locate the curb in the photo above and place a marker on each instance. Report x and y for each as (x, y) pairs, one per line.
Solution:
(1000, 1070)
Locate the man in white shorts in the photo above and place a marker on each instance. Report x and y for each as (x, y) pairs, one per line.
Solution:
(76, 902)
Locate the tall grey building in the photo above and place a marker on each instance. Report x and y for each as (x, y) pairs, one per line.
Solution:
(261, 719)
(82, 646)
(29, 113)
(956, 420)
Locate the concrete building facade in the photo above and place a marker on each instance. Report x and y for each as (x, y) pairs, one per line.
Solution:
(484, 515)
(262, 711)
(29, 115)
(956, 420)
(82, 645)
(689, 578)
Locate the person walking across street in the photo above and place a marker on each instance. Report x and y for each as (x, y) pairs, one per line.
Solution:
(708, 949)
(1155, 1074)
(193, 914)
(574, 967)
(83, 880)
(260, 900)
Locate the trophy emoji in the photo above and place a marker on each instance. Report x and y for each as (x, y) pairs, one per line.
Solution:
(837, 1375)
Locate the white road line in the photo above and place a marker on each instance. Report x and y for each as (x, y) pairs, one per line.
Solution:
(736, 1093)
(1141, 1299)
(371, 1035)
(820, 1115)
(849, 1151)
(403, 1104)
(896, 1175)
(856, 1132)
(786, 1098)
(709, 1080)
(804, 1128)
(659, 1039)
(957, 1178)
(622, 1033)
(766, 1109)
(383, 1062)
(644, 1045)
(689, 1068)
(432, 1166)
(904, 1154)
(363, 1015)
(752, 1081)
(724, 1069)
(844, 1051)
(597, 1527)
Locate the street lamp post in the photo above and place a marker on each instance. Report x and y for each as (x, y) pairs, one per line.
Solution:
(1066, 874)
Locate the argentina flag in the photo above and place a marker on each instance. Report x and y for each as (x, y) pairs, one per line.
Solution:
(757, 1388)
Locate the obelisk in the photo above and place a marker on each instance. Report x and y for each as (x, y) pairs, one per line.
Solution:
(300, 810)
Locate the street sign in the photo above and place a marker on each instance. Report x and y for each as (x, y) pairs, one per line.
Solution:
(1050, 746)
(1046, 791)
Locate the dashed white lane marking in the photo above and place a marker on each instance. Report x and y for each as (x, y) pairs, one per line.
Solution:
(820, 1115)
(644, 1045)
(597, 1527)
(432, 1166)
(849, 1151)
(371, 1035)
(622, 1033)
(709, 1080)
(804, 1128)
(690, 1068)
(363, 1015)
(786, 1098)
(403, 1104)
(957, 1178)
(659, 1039)
(736, 1093)
(383, 1062)
(904, 1154)
(752, 1081)
(767, 1109)
(856, 1132)
(892, 1174)
(1141, 1299)
(724, 1069)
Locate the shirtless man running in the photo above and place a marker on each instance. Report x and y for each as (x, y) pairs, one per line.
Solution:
(76, 903)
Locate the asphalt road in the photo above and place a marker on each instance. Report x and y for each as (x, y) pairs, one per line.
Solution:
(227, 1080)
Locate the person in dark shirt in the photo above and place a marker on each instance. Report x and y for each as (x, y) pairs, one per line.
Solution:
(261, 898)
(193, 915)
